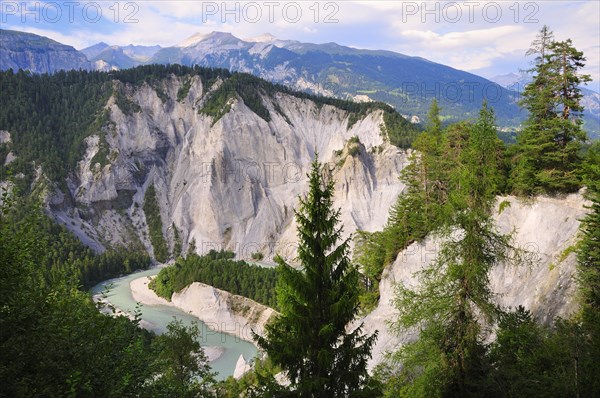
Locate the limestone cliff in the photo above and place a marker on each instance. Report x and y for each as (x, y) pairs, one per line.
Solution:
(230, 182)
(546, 228)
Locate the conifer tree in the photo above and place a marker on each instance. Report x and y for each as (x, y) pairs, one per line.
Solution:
(419, 210)
(309, 340)
(434, 123)
(547, 148)
(454, 296)
(540, 45)
(421, 207)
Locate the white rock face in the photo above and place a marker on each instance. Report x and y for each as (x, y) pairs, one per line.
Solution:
(229, 184)
(223, 311)
(218, 309)
(545, 228)
(10, 157)
(241, 367)
(5, 137)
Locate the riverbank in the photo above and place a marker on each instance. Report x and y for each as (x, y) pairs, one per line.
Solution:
(220, 310)
(222, 350)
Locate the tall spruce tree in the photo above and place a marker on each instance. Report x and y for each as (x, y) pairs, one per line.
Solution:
(539, 46)
(434, 122)
(453, 303)
(309, 340)
(548, 147)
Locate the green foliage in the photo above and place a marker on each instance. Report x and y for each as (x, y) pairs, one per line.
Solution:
(503, 206)
(182, 365)
(418, 211)
(53, 339)
(452, 308)
(354, 146)
(178, 244)
(160, 93)
(251, 384)
(547, 156)
(257, 256)
(249, 88)
(531, 360)
(101, 157)
(55, 342)
(434, 121)
(154, 221)
(218, 269)
(127, 105)
(588, 255)
(64, 253)
(354, 117)
(254, 91)
(399, 131)
(453, 302)
(49, 116)
(218, 104)
(184, 90)
(309, 339)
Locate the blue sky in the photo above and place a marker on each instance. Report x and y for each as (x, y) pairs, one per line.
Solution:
(482, 37)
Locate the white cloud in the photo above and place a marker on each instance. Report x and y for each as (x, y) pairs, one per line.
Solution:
(77, 41)
(468, 50)
(458, 40)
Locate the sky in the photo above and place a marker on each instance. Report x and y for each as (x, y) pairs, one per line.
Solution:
(487, 38)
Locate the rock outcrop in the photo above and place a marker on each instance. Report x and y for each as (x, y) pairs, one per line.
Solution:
(241, 367)
(223, 311)
(546, 228)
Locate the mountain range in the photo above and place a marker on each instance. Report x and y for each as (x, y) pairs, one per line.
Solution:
(106, 57)
(406, 83)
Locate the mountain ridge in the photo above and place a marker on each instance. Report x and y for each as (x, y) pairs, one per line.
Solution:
(39, 54)
(407, 83)
(331, 69)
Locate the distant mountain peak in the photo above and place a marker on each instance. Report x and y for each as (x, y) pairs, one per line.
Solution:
(95, 49)
(512, 79)
(97, 45)
(264, 38)
(214, 36)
